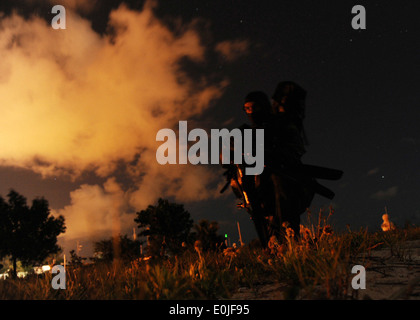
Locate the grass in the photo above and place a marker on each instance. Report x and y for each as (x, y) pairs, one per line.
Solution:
(316, 265)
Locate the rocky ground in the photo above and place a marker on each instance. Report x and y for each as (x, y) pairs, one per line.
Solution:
(391, 274)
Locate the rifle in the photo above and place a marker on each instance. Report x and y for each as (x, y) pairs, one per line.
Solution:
(308, 171)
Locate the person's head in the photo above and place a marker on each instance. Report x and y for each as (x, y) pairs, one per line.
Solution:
(257, 106)
(289, 97)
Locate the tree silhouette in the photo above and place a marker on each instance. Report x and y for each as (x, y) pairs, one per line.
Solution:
(206, 232)
(76, 260)
(129, 249)
(27, 234)
(167, 226)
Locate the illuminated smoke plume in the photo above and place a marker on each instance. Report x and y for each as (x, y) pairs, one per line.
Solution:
(74, 101)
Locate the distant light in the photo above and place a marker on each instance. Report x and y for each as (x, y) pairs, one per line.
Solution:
(225, 235)
(46, 268)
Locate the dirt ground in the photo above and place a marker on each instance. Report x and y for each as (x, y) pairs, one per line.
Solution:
(390, 275)
(393, 275)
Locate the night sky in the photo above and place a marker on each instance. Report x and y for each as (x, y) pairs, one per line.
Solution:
(362, 108)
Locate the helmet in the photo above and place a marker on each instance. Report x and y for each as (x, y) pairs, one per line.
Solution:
(258, 107)
(257, 102)
(291, 97)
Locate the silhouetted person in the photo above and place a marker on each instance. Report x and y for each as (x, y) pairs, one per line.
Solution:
(286, 187)
(281, 188)
(289, 111)
(258, 108)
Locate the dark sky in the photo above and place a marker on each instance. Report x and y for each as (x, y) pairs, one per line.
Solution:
(362, 109)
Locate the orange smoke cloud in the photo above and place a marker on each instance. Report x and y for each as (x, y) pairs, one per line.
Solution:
(73, 100)
(82, 101)
(231, 50)
(107, 201)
